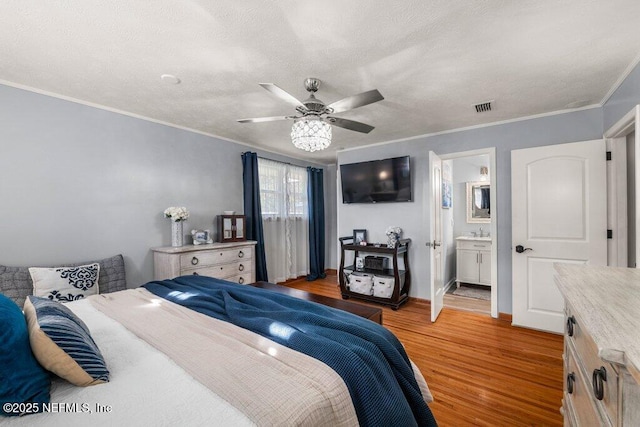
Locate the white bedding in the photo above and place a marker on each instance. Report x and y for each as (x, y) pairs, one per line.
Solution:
(158, 392)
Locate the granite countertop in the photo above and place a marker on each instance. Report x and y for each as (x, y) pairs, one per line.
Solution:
(607, 299)
(476, 238)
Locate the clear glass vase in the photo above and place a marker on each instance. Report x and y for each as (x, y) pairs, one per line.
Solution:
(177, 236)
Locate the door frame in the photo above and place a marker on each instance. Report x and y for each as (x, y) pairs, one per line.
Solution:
(616, 138)
(493, 200)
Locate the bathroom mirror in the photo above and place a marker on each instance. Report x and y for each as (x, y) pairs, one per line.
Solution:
(478, 202)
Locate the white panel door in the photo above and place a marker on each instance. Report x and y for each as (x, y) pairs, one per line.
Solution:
(558, 199)
(437, 260)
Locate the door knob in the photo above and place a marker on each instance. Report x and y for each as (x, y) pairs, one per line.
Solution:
(435, 244)
(521, 249)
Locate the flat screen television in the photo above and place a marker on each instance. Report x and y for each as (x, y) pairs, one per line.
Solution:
(378, 181)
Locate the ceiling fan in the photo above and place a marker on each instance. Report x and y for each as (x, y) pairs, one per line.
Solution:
(311, 129)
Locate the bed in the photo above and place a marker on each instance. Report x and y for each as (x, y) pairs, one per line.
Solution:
(201, 351)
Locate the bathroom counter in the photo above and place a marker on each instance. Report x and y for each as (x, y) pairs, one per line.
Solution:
(475, 238)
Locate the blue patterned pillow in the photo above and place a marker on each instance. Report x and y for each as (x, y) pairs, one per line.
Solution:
(62, 343)
(65, 284)
(22, 379)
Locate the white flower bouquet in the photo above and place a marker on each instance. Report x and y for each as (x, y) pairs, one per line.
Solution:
(176, 214)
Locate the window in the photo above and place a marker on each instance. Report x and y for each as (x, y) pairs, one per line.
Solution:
(283, 190)
(285, 219)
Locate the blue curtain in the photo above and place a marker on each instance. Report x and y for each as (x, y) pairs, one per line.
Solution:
(253, 211)
(315, 194)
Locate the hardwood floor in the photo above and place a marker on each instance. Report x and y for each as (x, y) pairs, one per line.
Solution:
(481, 371)
(467, 304)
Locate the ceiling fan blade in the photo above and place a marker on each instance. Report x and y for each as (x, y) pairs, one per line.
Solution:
(350, 124)
(265, 119)
(282, 94)
(355, 101)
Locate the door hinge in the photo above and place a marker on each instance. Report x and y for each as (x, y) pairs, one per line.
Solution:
(608, 155)
(609, 234)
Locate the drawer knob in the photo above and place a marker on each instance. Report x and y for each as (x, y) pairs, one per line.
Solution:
(571, 378)
(570, 322)
(195, 261)
(241, 267)
(240, 254)
(241, 280)
(195, 273)
(598, 378)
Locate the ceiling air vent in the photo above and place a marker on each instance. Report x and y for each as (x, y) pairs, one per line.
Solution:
(483, 107)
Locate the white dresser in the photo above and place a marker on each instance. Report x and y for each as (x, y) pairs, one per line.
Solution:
(234, 262)
(473, 260)
(601, 345)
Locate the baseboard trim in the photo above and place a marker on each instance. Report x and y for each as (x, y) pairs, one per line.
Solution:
(331, 271)
(420, 300)
(449, 285)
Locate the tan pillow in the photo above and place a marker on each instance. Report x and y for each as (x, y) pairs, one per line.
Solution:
(62, 344)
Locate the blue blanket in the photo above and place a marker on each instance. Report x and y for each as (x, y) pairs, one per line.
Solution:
(368, 357)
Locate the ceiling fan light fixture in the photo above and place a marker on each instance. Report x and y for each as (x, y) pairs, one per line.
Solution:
(311, 134)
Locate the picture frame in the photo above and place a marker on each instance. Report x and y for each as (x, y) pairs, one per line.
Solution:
(201, 237)
(359, 236)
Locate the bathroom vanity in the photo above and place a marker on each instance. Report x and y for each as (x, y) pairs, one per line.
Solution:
(473, 260)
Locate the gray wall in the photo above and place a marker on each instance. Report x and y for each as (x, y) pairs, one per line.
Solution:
(465, 169)
(80, 183)
(623, 100)
(414, 217)
(331, 219)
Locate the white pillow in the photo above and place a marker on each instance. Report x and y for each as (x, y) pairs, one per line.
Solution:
(65, 284)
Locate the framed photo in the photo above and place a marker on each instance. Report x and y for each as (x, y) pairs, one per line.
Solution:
(359, 236)
(446, 186)
(201, 237)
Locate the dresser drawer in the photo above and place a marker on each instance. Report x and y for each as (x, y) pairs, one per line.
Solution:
(221, 271)
(221, 256)
(577, 395)
(473, 245)
(242, 279)
(600, 375)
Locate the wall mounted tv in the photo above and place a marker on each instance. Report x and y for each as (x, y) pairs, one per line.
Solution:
(378, 181)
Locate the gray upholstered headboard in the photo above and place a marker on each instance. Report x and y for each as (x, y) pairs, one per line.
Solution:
(15, 282)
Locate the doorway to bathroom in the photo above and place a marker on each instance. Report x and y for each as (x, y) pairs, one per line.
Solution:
(469, 230)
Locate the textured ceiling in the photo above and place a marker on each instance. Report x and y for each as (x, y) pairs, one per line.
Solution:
(431, 60)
